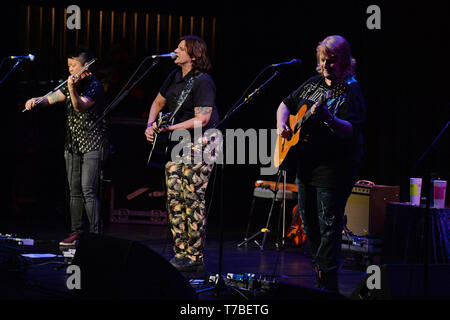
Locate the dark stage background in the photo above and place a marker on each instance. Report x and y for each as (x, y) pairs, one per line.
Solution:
(402, 69)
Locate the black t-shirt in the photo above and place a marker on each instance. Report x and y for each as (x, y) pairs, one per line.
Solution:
(324, 159)
(203, 94)
(79, 139)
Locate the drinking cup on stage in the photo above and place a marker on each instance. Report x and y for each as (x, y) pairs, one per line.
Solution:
(415, 186)
(439, 187)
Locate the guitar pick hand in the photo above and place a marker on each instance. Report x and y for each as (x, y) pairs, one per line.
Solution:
(284, 131)
(150, 131)
(321, 112)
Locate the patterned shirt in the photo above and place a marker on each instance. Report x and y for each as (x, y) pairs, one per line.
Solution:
(78, 137)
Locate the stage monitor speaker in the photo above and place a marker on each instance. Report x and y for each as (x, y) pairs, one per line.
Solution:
(406, 281)
(113, 268)
(366, 208)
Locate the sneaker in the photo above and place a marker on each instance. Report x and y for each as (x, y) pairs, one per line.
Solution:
(71, 240)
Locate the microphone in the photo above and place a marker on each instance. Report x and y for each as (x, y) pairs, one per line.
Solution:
(282, 64)
(171, 55)
(29, 57)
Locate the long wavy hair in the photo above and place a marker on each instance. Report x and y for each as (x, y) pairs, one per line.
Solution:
(198, 51)
(338, 47)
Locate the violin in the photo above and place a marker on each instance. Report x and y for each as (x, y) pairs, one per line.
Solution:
(296, 233)
(81, 74)
(77, 77)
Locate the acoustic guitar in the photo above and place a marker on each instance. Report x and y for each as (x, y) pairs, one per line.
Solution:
(296, 122)
(161, 142)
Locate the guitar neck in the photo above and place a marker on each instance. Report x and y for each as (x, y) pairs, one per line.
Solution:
(302, 120)
(324, 100)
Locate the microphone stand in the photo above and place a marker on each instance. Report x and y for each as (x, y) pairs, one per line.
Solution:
(121, 96)
(220, 284)
(427, 208)
(10, 71)
(111, 107)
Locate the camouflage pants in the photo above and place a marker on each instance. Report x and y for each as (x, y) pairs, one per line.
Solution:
(186, 189)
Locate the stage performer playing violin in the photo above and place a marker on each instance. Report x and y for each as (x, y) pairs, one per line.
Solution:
(84, 100)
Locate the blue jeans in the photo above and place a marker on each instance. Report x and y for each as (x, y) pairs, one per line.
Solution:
(82, 176)
(322, 213)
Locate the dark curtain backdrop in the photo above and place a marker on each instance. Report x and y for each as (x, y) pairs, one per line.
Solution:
(402, 69)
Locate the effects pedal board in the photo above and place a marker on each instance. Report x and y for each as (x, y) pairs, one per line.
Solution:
(12, 239)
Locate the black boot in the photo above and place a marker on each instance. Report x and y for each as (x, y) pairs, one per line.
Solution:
(329, 281)
(318, 283)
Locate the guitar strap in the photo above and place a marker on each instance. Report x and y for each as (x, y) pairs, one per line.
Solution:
(339, 92)
(187, 89)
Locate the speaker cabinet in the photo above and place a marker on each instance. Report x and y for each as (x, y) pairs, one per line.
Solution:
(366, 208)
(113, 268)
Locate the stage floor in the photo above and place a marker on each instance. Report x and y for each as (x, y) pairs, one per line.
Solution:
(46, 278)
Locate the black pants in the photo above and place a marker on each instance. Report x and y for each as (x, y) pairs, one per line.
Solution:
(322, 213)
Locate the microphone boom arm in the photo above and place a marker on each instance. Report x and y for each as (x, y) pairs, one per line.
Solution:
(249, 97)
(118, 99)
(10, 71)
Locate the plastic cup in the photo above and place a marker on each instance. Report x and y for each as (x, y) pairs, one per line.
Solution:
(439, 187)
(415, 187)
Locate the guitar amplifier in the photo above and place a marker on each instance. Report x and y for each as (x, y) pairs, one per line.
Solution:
(366, 207)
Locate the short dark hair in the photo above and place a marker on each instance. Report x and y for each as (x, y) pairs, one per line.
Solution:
(82, 54)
